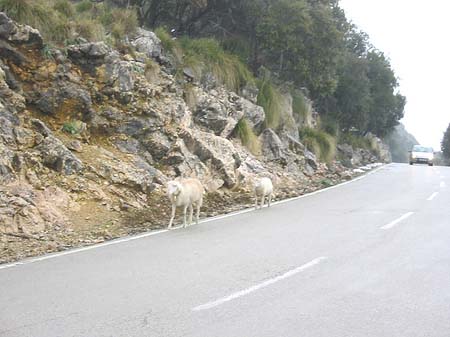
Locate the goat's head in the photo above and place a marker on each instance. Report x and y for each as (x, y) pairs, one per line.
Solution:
(173, 188)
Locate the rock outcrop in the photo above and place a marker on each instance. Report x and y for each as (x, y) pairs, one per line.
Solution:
(90, 136)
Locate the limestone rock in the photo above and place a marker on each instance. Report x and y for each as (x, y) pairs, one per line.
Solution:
(19, 34)
(148, 43)
(53, 152)
(272, 146)
(253, 113)
(216, 152)
(88, 55)
(311, 159)
(65, 96)
(219, 111)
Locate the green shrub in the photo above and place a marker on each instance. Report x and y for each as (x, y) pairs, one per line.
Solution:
(64, 7)
(71, 127)
(356, 141)
(326, 182)
(239, 47)
(84, 6)
(329, 125)
(47, 52)
(270, 99)
(207, 55)
(19, 10)
(319, 142)
(120, 22)
(300, 107)
(166, 40)
(248, 137)
(90, 29)
(58, 30)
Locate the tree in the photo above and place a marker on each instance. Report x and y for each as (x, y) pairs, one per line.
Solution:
(445, 144)
(301, 42)
(353, 94)
(387, 106)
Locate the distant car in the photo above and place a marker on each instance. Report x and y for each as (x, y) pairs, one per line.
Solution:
(421, 155)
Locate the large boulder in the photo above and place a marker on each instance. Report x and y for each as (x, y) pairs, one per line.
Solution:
(148, 43)
(138, 175)
(19, 34)
(28, 211)
(65, 97)
(382, 150)
(53, 152)
(217, 113)
(348, 156)
(272, 146)
(89, 55)
(215, 152)
(310, 160)
(254, 114)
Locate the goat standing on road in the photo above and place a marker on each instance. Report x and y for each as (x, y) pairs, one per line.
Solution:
(263, 187)
(185, 193)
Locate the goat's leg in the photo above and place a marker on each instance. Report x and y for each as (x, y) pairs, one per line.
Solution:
(172, 216)
(262, 201)
(199, 204)
(191, 211)
(270, 199)
(256, 202)
(184, 215)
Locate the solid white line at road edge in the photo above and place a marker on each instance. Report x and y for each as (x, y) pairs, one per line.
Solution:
(256, 287)
(433, 196)
(151, 233)
(395, 222)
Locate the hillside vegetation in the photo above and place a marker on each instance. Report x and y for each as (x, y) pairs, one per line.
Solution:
(309, 43)
(104, 102)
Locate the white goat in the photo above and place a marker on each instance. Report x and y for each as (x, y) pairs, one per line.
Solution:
(185, 193)
(263, 187)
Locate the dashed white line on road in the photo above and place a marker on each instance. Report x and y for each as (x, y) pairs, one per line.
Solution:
(397, 221)
(256, 287)
(431, 197)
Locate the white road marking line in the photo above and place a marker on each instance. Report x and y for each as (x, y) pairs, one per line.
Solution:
(219, 217)
(395, 222)
(431, 197)
(442, 184)
(82, 249)
(256, 287)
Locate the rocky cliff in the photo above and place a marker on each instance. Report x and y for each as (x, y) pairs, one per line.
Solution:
(89, 136)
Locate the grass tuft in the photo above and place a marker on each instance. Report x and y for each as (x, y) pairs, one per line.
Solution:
(166, 40)
(65, 7)
(207, 55)
(270, 99)
(84, 6)
(19, 10)
(71, 127)
(355, 141)
(300, 107)
(322, 144)
(90, 29)
(248, 137)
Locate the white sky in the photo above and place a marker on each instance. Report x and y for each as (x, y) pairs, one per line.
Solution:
(415, 36)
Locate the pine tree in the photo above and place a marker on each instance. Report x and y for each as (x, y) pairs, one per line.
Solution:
(445, 144)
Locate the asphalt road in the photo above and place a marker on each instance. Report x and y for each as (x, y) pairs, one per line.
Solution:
(368, 258)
